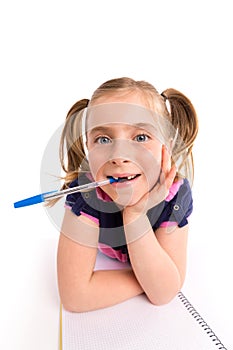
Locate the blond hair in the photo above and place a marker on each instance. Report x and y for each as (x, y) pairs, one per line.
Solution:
(182, 115)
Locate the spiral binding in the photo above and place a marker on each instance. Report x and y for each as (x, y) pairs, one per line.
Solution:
(201, 321)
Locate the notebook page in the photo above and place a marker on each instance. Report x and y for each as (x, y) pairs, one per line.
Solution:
(135, 324)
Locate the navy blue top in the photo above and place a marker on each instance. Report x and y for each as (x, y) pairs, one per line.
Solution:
(176, 208)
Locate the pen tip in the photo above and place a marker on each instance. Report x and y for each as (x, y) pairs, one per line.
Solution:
(111, 179)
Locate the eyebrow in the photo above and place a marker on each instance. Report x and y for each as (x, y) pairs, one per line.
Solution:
(105, 129)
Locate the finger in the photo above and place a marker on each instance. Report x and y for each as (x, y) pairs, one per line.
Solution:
(162, 189)
(158, 194)
(170, 177)
(166, 160)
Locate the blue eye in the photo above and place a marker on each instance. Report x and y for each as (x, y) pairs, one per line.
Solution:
(141, 138)
(103, 140)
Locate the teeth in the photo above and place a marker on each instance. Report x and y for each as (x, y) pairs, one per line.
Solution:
(131, 177)
(127, 177)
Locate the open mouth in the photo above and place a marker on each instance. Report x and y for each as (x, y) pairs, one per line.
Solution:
(124, 178)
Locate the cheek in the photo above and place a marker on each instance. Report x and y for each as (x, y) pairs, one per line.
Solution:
(97, 161)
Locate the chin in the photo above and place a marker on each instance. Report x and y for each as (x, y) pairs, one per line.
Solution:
(127, 202)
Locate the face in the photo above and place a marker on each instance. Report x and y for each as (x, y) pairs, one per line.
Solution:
(123, 143)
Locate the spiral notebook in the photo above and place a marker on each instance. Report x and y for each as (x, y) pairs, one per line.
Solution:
(136, 324)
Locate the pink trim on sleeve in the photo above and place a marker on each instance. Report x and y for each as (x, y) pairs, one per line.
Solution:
(172, 192)
(90, 217)
(174, 189)
(168, 224)
(84, 214)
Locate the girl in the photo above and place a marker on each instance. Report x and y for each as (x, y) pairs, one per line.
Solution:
(144, 140)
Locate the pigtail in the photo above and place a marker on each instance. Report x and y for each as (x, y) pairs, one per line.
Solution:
(71, 146)
(184, 118)
(71, 151)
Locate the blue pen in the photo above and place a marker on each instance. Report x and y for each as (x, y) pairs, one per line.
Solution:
(56, 194)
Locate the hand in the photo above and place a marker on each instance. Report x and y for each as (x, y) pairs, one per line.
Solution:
(158, 193)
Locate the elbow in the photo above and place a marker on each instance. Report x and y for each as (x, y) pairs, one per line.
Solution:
(74, 306)
(162, 300)
(71, 307)
(74, 298)
(74, 302)
(166, 295)
(68, 307)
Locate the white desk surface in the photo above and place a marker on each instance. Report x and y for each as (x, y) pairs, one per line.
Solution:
(29, 296)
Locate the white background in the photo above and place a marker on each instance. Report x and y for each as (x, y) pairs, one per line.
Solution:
(54, 53)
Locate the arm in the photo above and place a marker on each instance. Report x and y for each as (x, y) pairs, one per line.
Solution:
(158, 259)
(82, 289)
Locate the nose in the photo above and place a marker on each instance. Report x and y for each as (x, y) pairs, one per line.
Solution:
(118, 161)
(120, 152)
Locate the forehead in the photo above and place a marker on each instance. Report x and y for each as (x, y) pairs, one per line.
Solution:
(119, 127)
(108, 114)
